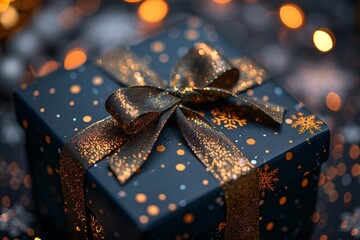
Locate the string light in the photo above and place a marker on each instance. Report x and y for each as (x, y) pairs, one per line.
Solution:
(153, 11)
(291, 16)
(323, 40)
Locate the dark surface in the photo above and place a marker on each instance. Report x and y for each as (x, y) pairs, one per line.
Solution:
(293, 62)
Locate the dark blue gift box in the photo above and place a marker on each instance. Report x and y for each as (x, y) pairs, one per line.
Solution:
(173, 196)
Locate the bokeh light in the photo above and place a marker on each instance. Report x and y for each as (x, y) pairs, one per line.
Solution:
(333, 101)
(4, 4)
(291, 16)
(132, 1)
(222, 1)
(153, 11)
(48, 67)
(9, 17)
(87, 7)
(324, 40)
(75, 58)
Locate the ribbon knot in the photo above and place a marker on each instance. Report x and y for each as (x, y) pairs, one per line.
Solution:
(140, 112)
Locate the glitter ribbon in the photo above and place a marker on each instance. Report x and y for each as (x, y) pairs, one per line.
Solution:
(138, 115)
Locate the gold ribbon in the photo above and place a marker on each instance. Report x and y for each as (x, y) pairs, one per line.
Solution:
(138, 115)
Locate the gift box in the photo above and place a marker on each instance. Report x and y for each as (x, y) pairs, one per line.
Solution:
(173, 196)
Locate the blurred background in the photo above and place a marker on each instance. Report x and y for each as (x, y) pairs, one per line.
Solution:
(310, 47)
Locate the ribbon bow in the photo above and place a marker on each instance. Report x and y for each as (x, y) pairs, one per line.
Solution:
(139, 113)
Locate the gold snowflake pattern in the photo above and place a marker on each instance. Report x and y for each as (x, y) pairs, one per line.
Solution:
(267, 178)
(96, 229)
(228, 117)
(306, 123)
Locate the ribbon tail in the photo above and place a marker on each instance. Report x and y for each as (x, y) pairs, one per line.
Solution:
(230, 167)
(79, 154)
(126, 160)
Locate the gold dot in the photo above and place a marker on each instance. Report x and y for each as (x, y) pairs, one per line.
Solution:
(87, 119)
(265, 98)
(25, 123)
(143, 219)
(250, 141)
(288, 121)
(205, 182)
(42, 109)
(304, 182)
(97, 80)
(52, 90)
(78, 228)
(250, 92)
(162, 166)
(140, 197)
(180, 167)
(157, 46)
(188, 218)
(267, 151)
(36, 93)
(269, 226)
(162, 197)
(291, 141)
(49, 170)
(160, 148)
(180, 152)
(191, 34)
(47, 139)
(282, 200)
(153, 210)
(164, 58)
(172, 207)
(75, 89)
(288, 156)
(71, 103)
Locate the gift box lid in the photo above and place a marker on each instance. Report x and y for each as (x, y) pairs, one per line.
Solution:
(173, 187)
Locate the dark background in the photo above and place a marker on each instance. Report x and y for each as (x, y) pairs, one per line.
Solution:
(39, 36)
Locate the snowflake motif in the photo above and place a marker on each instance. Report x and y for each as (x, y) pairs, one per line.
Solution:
(306, 123)
(267, 178)
(350, 222)
(228, 117)
(96, 229)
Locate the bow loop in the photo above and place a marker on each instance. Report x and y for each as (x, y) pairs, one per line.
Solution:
(203, 66)
(136, 107)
